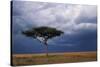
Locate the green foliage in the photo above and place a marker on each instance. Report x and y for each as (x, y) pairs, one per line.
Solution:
(45, 32)
(29, 33)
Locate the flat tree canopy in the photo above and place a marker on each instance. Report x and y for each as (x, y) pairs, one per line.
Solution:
(45, 32)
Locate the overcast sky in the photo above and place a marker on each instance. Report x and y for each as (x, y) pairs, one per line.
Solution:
(78, 22)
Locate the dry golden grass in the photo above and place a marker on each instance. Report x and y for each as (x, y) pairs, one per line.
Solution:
(67, 57)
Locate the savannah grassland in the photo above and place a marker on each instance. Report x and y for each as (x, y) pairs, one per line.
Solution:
(66, 57)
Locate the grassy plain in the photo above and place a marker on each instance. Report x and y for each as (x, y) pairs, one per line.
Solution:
(66, 57)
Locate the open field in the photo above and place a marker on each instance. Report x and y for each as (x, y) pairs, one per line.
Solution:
(66, 57)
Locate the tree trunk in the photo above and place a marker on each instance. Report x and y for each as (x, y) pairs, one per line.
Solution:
(46, 48)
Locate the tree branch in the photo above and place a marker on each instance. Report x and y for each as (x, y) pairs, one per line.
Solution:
(38, 40)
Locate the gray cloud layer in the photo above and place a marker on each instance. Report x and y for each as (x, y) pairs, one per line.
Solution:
(68, 18)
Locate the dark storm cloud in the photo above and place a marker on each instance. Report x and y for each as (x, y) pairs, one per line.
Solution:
(86, 20)
(83, 41)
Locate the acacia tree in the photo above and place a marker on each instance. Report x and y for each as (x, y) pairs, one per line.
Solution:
(43, 34)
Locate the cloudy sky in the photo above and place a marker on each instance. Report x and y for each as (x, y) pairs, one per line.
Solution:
(78, 22)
